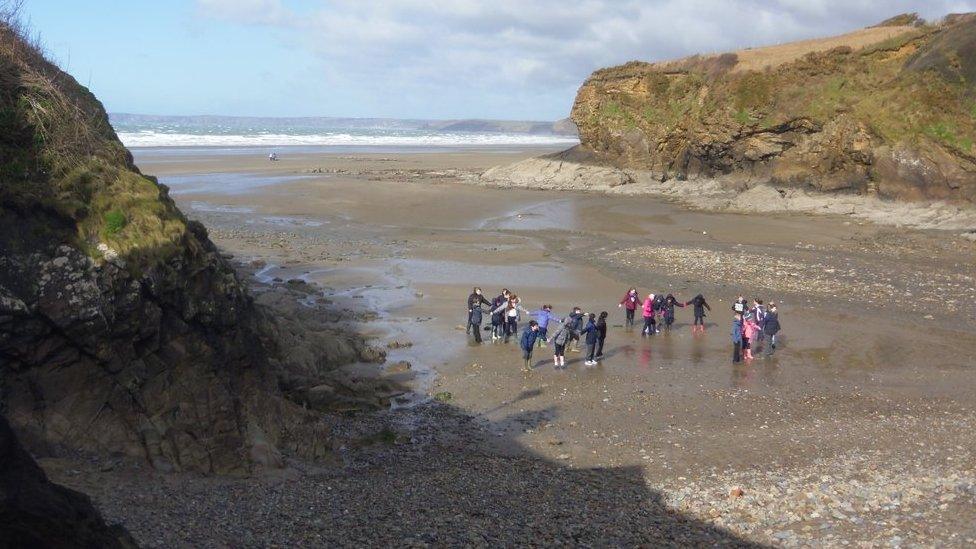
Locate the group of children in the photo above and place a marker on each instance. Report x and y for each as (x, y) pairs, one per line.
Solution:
(658, 309)
(506, 310)
(750, 329)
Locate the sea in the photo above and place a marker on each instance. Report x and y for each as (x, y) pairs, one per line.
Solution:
(273, 133)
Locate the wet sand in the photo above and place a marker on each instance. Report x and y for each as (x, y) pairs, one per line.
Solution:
(870, 393)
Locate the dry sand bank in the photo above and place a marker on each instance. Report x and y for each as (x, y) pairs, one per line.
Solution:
(715, 195)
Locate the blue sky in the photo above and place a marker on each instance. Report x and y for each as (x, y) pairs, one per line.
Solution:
(515, 59)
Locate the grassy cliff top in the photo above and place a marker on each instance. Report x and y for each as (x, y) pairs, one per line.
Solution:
(906, 81)
(60, 158)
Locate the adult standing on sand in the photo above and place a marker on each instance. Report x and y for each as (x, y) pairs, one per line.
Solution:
(475, 301)
(630, 303)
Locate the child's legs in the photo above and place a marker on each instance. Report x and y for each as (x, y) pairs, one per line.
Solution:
(736, 348)
(542, 336)
(599, 349)
(648, 323)
(590, 351)
(630, 317)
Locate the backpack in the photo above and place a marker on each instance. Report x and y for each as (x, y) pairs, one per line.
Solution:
(658, 302)
(739, 307)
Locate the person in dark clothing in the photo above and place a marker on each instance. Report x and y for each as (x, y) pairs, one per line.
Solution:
(475, 301)
(758, 311)
(498, 318)
(670, 302)
(474, 322)
(736, 339)
(601, 328)
(658, 309)
(631, 302)
(771, 327)
(576, 324)
(527, 342)
(700, 306)
(592, 336)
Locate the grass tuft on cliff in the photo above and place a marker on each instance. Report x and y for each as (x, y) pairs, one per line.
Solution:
(59, 156)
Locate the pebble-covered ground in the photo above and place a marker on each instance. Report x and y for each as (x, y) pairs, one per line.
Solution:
(431, 476)
(810, 270)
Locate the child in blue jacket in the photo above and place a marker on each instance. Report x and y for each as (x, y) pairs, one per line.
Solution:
(543, 316)
(527, 342)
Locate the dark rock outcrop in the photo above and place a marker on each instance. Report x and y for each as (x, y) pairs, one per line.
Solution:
(122, 329)
(34, 512)
(888, 111)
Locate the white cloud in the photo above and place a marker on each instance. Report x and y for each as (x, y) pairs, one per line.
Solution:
(532, 52)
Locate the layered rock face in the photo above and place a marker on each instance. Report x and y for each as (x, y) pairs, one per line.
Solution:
(889, 110)
(122, 329)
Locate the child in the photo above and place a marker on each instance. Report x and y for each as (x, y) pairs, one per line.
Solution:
(630, 303)
(759, 314)
(658, 309)
(559, 341)
(476, 300)
(497, 315)
(749, 331)
(648, 311)
(474, 321)
(543, 317)
(576, 323)
(511, 310)
(736, 339)
(592, 336)
(771, 327)
(601, 328)
(670, 303)
(527, 342)
(700, 306)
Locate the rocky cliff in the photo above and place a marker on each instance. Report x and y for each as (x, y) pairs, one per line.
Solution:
(887, 111)
(122, 329)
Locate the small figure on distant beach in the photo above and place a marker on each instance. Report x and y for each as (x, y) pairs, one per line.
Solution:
(273, 157)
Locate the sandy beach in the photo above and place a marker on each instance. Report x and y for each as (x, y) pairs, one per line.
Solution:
(859, 428)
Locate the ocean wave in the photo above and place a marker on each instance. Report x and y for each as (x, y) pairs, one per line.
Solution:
(168, 139)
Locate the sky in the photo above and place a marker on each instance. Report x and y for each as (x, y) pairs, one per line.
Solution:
(444, 59)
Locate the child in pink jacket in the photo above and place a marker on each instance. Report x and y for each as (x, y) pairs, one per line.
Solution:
(648, 311)
(750, 329)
